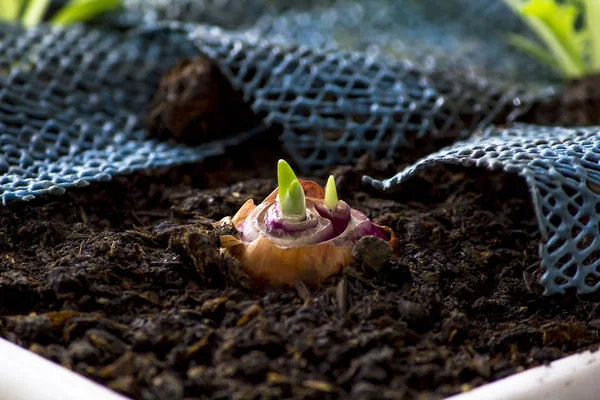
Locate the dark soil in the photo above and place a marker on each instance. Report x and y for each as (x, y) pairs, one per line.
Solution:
(123, 283)
(576, 105)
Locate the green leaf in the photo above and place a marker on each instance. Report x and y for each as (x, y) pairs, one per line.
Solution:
(554, 24)
(560, 19)
(592, 24)
(331, 197)
(10, 10)
(34, 12)
(533, 49)
(83, 10)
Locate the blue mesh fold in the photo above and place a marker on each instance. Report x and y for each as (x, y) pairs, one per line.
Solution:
(562, 169)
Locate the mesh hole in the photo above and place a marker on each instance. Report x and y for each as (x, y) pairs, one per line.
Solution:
(273, 96)
(302, 111)
(330, 97)
(322, 155)
(592, 279)
(571, 270)
(414, 119)
(556, 246)
(569, 190)
(332, 135)
(593, 257)
(560, 281)
(585, 242)
(370, 135)
(289, 97)
(572, 209)
(388, 135)
(555, 221)
(250, 74)
(360, 118)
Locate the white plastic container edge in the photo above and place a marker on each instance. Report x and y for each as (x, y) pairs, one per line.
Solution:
(27, 376)
(576, 377)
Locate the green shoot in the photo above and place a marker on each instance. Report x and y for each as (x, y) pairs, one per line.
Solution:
(592, 13)
(11, 9)
(82, 10)
(573, 50)
(291, 195)
(285, 176)
(295, 203)
(32, 12)
(331, 196)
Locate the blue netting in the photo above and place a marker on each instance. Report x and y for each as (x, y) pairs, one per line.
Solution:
(562, 169)
(69, 116)
(338, 77)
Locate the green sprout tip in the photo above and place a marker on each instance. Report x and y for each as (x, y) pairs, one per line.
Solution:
(285, 176)
(291, 195)
(331, 196)
(294, 204)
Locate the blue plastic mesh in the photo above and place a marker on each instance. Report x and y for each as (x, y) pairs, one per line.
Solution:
(562, 168)
(69, 116)
(338, 77)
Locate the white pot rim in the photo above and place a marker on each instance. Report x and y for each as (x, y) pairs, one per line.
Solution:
(27, 376)
(575, 377)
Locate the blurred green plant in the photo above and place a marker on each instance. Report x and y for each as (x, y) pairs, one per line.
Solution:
(569, 32)
(32, 12)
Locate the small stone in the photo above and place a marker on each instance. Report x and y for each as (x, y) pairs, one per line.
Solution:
(255, 363)
(595, 324)
(63, 281)
(412, 311)
(418, 232)
(482, 365)
(372, 251)
(82, 350)
(167, 386)
(124, 384)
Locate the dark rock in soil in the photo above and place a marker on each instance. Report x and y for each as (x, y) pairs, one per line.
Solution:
(372, 252)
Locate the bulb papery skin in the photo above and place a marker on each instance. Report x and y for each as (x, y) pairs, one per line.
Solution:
(278, 249)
